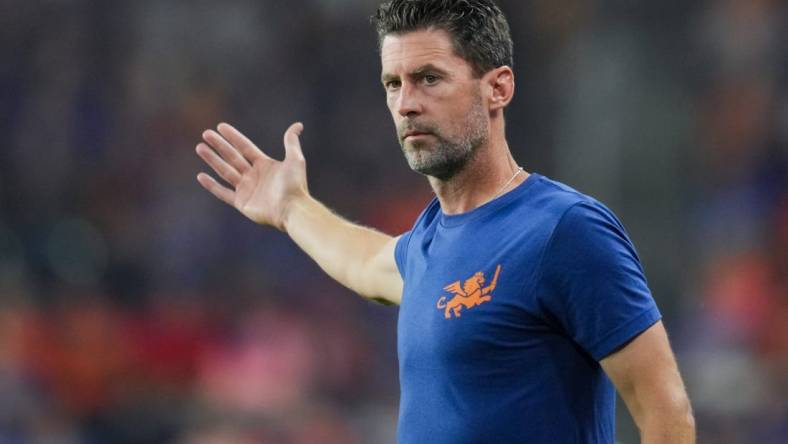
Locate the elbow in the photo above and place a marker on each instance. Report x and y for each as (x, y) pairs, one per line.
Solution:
(670, 419)
(686, 415)
(682, 409)
(683, 426)
(676, 423)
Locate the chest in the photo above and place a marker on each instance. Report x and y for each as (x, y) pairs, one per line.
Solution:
(467, 298)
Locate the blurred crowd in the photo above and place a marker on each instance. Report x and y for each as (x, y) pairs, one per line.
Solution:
(136, 308)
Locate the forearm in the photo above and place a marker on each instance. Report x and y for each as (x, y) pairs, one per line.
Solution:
(274, 193)
(345, 251)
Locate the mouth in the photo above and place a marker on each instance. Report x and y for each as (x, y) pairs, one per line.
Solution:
(411, 134)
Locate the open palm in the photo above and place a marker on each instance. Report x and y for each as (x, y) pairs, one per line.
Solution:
(261, 187)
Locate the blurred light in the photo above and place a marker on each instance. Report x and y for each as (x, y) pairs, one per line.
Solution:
(77, 251)
(12, 263)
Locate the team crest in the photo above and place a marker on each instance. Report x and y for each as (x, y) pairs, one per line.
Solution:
(469, 295)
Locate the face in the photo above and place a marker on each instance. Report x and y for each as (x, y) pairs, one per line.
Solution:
(435, 101)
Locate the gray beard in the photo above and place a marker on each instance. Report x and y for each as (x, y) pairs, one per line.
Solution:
(445, 157)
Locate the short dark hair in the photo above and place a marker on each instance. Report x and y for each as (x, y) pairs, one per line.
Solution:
(478, 28)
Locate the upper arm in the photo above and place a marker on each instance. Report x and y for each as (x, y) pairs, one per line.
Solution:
(646, 376)
(382, 280)
(595, 288)
(593, 285)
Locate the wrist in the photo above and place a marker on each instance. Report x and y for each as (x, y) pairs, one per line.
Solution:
(296, 204)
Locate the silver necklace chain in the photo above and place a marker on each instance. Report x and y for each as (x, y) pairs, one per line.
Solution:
(519, 170)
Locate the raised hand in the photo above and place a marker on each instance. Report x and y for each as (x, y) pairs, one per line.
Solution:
(262, 188)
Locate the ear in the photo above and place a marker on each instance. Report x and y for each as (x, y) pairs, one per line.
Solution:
(500, 85)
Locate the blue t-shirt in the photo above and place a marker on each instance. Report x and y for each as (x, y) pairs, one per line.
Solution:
(507, 310)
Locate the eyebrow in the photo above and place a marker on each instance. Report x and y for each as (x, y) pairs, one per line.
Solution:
(429, 67)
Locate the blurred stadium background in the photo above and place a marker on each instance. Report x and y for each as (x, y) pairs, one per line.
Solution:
(135, 308)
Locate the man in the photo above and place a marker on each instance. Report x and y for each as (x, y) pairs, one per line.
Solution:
(520, 298)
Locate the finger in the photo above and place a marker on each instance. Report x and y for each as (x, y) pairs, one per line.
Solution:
(292, 143)
(227, 151)
(224, 194)
(222, 168)
(248, 149)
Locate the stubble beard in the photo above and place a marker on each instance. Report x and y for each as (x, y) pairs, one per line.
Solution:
(445, 156)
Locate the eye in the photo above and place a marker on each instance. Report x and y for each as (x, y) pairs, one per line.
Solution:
(431, 79)
(392, 85)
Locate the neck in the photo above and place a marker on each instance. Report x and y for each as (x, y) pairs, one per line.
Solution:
(490, 173)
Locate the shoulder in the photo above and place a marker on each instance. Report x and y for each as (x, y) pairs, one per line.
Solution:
(428, 214)
(561, 204)
(427, 217)
(581, 228)
(558, 195)
(586, 235)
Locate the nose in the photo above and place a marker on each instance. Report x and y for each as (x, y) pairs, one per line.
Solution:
(408, 101)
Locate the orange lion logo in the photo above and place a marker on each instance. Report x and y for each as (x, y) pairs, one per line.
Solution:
(469, 295)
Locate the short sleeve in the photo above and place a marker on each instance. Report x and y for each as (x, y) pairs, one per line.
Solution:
(592, 283)
(400, 252)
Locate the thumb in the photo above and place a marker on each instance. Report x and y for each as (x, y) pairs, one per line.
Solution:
(292, 144)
